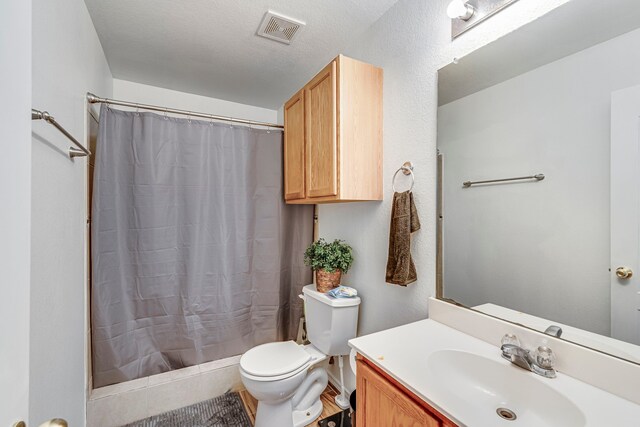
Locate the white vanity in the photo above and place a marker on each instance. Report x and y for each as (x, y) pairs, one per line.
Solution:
(448, 377)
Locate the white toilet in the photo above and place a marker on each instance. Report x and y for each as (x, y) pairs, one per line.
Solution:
(284, 376)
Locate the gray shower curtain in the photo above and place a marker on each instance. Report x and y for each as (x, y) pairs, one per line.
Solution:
(195, 256)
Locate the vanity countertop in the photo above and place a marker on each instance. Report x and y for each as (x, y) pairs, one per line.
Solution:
(404, 352)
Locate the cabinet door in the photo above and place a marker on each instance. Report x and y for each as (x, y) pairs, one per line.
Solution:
(322, 144)
(381, 404)
(294, 146)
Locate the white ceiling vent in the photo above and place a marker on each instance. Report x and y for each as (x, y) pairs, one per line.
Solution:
(279, 27)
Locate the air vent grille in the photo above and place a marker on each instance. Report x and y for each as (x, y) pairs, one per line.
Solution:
(279, 27)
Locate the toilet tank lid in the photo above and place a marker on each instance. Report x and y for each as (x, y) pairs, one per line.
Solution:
(310, 291)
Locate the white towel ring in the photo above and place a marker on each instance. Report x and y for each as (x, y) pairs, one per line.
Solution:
(407, 169)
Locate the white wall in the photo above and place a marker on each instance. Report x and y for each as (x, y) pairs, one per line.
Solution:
(145, 94)
(67, 62)
(411, 41)
(524, 246)
(15, 214)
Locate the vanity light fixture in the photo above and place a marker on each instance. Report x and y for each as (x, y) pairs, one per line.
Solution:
(460, 9)
(466, 14)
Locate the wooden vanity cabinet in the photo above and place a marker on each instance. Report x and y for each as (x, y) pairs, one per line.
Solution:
(383, 402)
(333, 136)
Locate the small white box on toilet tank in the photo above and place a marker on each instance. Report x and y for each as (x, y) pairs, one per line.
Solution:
(331, 322)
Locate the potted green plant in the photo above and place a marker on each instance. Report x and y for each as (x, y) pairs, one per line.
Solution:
(329, 261)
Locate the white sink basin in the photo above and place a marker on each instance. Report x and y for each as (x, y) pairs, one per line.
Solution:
(475, 383)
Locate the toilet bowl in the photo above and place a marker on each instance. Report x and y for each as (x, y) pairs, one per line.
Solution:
(286, 381)
(285, 377)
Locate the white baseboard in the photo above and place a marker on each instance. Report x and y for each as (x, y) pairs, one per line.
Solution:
(334, 381)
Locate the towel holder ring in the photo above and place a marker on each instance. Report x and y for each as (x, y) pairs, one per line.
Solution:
(407, 169)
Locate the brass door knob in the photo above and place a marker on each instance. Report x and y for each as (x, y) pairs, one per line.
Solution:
(624, 272)
(56, 422)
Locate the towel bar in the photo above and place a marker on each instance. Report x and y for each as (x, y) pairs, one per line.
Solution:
(81, 151)
(538, 177)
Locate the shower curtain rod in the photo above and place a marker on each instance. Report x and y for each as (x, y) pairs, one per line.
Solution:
(93, 99)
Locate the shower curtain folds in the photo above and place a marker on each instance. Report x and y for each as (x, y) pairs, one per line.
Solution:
(195, 255)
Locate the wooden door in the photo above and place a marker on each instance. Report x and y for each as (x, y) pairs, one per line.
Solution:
(294, 147)
(322, 144)
(381, 404)
(625, 214)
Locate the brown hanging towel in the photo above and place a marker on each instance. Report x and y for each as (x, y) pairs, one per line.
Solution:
(404, 220)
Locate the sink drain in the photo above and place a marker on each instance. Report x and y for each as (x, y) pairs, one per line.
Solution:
(506, 414)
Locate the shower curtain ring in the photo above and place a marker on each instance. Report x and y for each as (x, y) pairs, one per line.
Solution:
(189, 117)
(137, 109)
(165, 114)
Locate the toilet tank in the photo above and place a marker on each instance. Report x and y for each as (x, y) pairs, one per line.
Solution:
(331, 322)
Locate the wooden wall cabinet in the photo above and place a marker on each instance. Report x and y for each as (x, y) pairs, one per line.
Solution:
(382, 402)
(333, 136)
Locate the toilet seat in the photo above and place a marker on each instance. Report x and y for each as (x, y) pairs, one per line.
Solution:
(275, 361)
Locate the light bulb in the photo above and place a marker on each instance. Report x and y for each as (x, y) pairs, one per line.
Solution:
(460, 9)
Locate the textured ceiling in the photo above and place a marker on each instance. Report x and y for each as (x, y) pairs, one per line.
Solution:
(210, 47)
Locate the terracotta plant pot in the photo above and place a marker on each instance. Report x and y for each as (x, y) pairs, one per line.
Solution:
(326, 281)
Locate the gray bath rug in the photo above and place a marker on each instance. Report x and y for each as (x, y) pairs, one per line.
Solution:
(222, 411)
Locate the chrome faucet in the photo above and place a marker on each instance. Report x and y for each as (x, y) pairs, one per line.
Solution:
(540, 363)
(554, 331)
